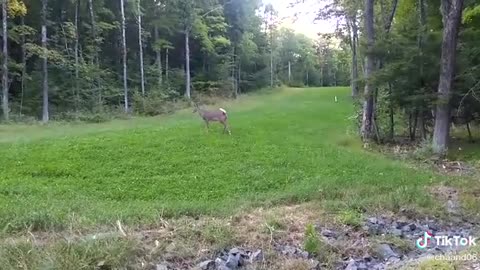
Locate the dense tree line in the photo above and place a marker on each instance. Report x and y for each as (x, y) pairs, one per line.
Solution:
(417, 62)
(61, 59)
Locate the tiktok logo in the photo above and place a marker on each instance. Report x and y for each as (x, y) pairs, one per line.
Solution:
(424, 241)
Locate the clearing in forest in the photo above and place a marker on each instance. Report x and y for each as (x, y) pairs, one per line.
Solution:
(287, 146)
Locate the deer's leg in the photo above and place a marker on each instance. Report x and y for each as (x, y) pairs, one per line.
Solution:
(207, 125)
(225, 127)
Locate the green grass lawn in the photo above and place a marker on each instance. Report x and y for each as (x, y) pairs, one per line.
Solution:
(287, 146)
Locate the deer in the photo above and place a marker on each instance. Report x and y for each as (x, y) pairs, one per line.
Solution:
(219, 115)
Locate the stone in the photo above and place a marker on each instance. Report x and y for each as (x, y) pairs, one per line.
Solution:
(233, 261)
(372, 220)
(314, 264)
(329, 233)
(409, 228)
(352, 265)
(305, 254)
(362, 266)
(385, 252)
(207, 265)
(401, 223)
(397, 232)
(289, 250)
(161, 266)
(433, 227)
(257, 256)
(367, 258)
(235, 251)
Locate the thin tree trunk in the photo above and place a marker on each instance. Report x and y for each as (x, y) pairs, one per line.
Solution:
(452, 13)
(77, 79)
(308, 79)
(5, 62)
(354, 83)
(24, 67)
(391, 112)
(321, 75)
(271, 67)
(140, 45)
(95, 46)
(45, 114)
(289, 71)
(124, 48)
(239, 75)
(166, 65)
(234, 77)
(159, 57)
(187, 63)
(421, 42)
(368, 106)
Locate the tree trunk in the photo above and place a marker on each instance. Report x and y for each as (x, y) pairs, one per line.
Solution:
(234, 77)
(271, 67)
(45, 115)
(391, 112)
(166, 65)
(158, 57)
(5, 62)
(354, 75)
(124, 49)
(452, 13)
(24, 67)
(140, 45)
(77, 77)
(289, 71)
(368, 105)
(321, 75)
(187, 64)
(95, 46)
(239, 76)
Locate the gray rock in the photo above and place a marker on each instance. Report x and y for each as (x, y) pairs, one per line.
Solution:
(372, 220)
(432, 226)
(219, 262)
(397, 232)
(385, 252)
(314, 264)
(223, 267)
(362, 266)
(257, 256)
(304, 254)
(409, 228)
(161, 266)
(289, 250)
(401, 223)
(352, 265)
(329, 233)
(233, 261)
(235, 251)
(207, 265)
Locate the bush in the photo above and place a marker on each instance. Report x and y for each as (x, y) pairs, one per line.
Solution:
(156, 103)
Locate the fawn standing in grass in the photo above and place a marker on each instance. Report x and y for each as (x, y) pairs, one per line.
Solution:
(219, 115)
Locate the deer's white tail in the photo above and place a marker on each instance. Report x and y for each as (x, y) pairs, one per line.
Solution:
(223, 110)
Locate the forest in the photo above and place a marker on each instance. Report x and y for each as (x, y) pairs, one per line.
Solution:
(412, 65)
(66, 59)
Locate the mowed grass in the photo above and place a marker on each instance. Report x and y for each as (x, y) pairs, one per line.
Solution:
(287, 146)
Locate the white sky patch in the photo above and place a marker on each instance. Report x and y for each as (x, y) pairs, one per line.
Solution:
(301, 17)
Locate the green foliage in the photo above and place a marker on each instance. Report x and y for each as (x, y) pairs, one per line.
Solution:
(312, 244)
